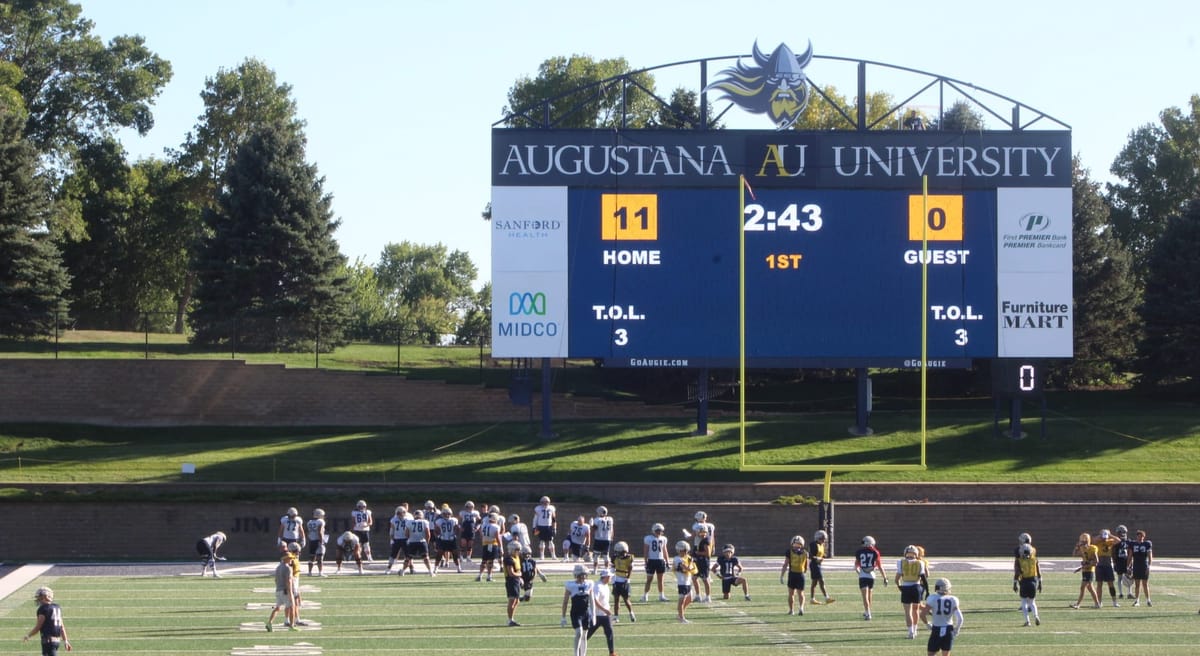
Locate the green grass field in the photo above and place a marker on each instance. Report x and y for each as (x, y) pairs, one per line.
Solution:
(455, 616)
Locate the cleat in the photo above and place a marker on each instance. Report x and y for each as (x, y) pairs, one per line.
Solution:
(829, 600)
(684, 620)
(800, 612)
(1115, 604)
(1037, 620)
(269, 627)
(646, 597)
(747, 597)
(1077, 605)
(489, 578)
(1149, 603)
(513, 623)
(1136, 602)
(632, 618)
(816, 602)
(663, 598)
(1026, 623)
(1096, 605)
(791, 612)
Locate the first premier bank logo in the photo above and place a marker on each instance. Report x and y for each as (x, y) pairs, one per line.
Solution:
(527, 304)
(1034, 222)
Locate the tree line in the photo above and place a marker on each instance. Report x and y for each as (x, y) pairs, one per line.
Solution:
(230, 236)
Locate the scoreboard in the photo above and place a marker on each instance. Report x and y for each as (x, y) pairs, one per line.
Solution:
(646, 248)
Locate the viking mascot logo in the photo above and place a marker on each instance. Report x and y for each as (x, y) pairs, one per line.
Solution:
(775, 85)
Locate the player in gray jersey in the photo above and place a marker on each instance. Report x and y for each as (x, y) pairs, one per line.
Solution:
(315, 532)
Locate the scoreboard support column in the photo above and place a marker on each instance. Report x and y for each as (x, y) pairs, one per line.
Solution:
(547, 399)
(863, 403)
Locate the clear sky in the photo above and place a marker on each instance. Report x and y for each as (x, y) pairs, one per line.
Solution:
(399, 96)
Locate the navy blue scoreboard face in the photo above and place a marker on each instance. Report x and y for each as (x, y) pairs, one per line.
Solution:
(646, 248)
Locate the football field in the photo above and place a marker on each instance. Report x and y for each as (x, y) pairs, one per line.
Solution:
(166, 609)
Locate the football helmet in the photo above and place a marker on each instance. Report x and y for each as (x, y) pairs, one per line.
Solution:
(319, 513)
(361, 505)
(1024, 538)
(1085, 538)
(221, 535)
(820, 535)
(493, 517)
(292, 512)
(514, 547)
(727, 549)
(620, 547)
(657, 528)
(580, 570)
(545, 501)
(911, 549)
(400, 510)
(682, 546)
(446, 512)
(942, 586)
(469, 505)
(797, 541)
(418, 514)
(294, 547)
(1026, 551)
(494, 509)
(1104, 534)
(44, 593)
(514, 518)
(701, 515)
(868, 541)
(602, 511)
(1122, 531)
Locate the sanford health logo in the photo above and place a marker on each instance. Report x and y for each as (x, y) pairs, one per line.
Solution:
(774, 85)
(523, 310)
(1033, 231)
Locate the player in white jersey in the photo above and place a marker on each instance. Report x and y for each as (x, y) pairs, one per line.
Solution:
(315, 529)
(701, 522)
(947, 618)
(489, 538)
(654, 552)
(602, 537)
(545, 525)
(445, 529)
(291, 529)
(579, 596)
(518, 532)
(468, 527)
(398, 532)
(580, 535)
(418, 541)
(362, 521)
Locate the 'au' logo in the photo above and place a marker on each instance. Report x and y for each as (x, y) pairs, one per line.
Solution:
(526, 303)
(775, 86)
(1034, 222)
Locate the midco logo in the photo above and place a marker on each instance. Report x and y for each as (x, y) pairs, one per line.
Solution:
(1034, 222)
(527, 304)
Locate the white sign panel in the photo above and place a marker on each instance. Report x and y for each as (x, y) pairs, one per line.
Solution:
(1034, 273)
(529, 272)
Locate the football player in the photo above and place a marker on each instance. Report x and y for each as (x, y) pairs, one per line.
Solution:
(816, 556)
(729, 568)
(701, 522)
(1027, 581)
(654, 552)
(417, 545)
(1088, 558)
(489, 538)
(315, 528)
(685, 568)
(349, 548)
(398, 531)
(362, 520)
(1121, 563)
(446, 531)
(512, 580)
(207, 548)
(866, 560)
(468, 527)
(622, 573)
(1140, 556)
(1106, 545)
(545, 523)
(518, 532)
(291, 530)
(580, 535)
(579, 595)
(909, 571)
(795, 565)
(702, 554)
(602, 535)
(947, 616)
(529, 570)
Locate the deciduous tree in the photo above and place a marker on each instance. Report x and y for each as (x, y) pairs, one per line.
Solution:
(568, 92)
(1171, 348)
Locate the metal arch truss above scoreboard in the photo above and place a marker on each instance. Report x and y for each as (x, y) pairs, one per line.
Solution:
(641, 247)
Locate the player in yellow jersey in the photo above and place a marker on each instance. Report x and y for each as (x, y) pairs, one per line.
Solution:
(622, 562)
(795, 564)
(1106, 546)
(909, 571)
(1088, 558)
(1027, 581)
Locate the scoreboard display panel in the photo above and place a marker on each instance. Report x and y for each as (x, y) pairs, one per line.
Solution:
(647, 250)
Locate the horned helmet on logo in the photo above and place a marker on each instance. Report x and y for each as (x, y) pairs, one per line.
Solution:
(775, 85)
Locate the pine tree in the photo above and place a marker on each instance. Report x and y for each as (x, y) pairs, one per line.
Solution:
(1171, 348)
(1107, 325)
(270, 276)
(32, 277)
